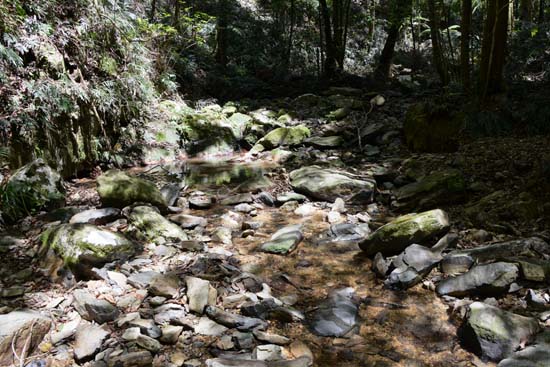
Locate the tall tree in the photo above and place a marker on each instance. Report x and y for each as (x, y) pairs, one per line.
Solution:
(334, 28)
(437, 52)
(221, 33)
(493, 49)
(542, 6)
(465, 30)
(399, 11)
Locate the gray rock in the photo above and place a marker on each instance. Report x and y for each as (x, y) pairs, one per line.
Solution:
(84, 246)
(170, 334)
(266, 198)
(337, 315)
(154, 227)
(290, 196)
(142, 279)
(439, 188)
(170, 192)
(88, 341)
(268, 352)
(148, 343)
(345, 236)
(411, 266)
(93, 309)
(284, 241)
(490, 279)
(495, 334)
(200, 294)
(165, 285)
(456, 264)
(67, 331)
(232, 320)
(133, 359)
(173, 314)
(380, 266)
(271, 338)
(536, 355)
(223, 235)
(526, 247)
(119, 190)
(237, 199)
(209, 327)
(244, 208)
(396, 236)
(328, 185)
(18, 330)
(131, 334)
(146, 327)
(200, 201)
(96, 216)
(188, 221)
(325, 142)
(32, 187)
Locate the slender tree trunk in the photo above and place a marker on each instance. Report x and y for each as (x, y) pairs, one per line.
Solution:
(437, 52)
(526, 10)
(401, 9)
(330, 52)
(153, 11)
(465, 30)
(291, 33)
(177, 7)
(221, 33)
(542, 5)
(493, 49)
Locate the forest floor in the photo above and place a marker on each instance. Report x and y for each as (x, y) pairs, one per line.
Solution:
(412, 327)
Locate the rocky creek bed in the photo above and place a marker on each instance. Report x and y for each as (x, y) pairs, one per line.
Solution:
(300, 252)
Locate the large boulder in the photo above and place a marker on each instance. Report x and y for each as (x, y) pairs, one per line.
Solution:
(329, 184)
(489, 279)
(431, 129)
(394, 237)
(32, 187)
(153, 227)
(282, 136)
(495, 334)
(21, 330)
(209, 132)
(84, 246)
(531, 247)
(117, 189)
(535, 355)
(438, 188)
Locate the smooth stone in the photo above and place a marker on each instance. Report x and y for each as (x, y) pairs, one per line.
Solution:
(188, 221)
(148, 343)
(337, 315)
(284, 241)
(271, 338)
(93, 309)
(165, 285)
(328, 185)
(495, 334)
(170, 334)
(88, 341)
(209, 327)
(200, 294)
(132, 359)
(131, 334)
(290, 196)
(237, 199)
(456, 264)
(394, 237)
(96, 216)
(490, 279)
(231, 320)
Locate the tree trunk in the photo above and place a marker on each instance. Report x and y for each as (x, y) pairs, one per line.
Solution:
(177, 7)
(465, 29)
(153, 11)
(526, 10)
(437, 52)
(384, 64)
(291, 34)
(330, 52)
(542, 5)
(221, 33)
(493, 49)
(400, 10)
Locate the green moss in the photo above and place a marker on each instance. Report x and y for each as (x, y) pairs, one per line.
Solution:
(117, 189)
(283, 136)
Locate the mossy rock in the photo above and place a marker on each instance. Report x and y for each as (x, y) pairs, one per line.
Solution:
(432, 130)
(282, 136)
(443, 187)
(394, 237)
(153, 227)
(31, 188)
(209, 133)
(117, 189)
(84, 246)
